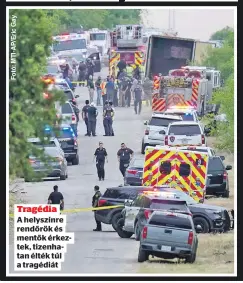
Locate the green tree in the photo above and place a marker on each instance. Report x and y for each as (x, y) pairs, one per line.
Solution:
(28, 111)
(223, 59)
(222, 34)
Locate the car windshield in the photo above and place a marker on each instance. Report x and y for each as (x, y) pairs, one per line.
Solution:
(161, 122)
(167, 205)
(215, 164)
(185, 130)
(69, 95)
(97, 36)
(52, 151)
(170, 221)
(69, 45)
(67, 109)
(137, 163)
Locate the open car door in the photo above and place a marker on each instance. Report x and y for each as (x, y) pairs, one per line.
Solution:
(95, 57)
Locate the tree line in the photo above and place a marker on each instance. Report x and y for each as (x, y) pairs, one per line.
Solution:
(28, 111)
(223, 60)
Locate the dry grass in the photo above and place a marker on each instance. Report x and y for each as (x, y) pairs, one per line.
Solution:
(215, 255)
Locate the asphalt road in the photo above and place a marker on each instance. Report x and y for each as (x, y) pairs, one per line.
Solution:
(94, 252)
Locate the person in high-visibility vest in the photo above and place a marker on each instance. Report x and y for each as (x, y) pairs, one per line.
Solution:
(103, 91)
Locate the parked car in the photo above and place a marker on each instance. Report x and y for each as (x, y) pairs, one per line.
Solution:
(211, 218)
(54, 167)
(134, 173)
(169, 235)
(136, 213)
(217, 177)
(117, 196)
(185, 134)
(69, 144)
(156, 128)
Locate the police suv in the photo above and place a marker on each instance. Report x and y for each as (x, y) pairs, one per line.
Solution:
(185, 134)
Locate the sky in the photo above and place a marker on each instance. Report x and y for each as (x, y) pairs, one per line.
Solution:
(191, 23)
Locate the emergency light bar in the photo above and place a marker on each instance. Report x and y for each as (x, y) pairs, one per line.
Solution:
(71, 36)
(181, 107)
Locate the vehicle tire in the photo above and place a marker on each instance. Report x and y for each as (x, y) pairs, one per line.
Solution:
(142, 255)
(115, 219)
(203, 223)
(137, 232)
(63, 177)
(75, 161)
(226, 194)
(143, 148)
(120, 231)
(66, 175)
(191, 258)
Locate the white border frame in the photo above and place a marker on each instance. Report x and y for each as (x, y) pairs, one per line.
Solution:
(20, 274)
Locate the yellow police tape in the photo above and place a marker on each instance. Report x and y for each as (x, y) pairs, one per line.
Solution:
(11, 215)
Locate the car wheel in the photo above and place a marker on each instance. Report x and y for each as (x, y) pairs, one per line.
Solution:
(226, 194)
(115, 219)
(120, 231)
(75, 161)
(142, 255)
(203, 223)
(143, 148)
(191, 258)
(137, 232)
(63, 177)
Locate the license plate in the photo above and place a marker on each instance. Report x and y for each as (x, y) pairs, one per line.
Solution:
(185, 141)
(166, 248)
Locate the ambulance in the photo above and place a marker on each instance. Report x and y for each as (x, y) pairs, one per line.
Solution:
(184, 170)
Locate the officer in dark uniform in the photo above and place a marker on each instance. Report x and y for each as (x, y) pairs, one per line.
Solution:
(95, 201)
(124, 156)
(100, 155)
(108, 115)
(56, 198)
(138, 99)
(85, 115)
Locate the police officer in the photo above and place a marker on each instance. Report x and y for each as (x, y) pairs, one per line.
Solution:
(124, 156)
(111, 105)
(95, 201)
(138, 99)
(85, 115)
(100, 155)
(56, 198)
(82, 72)
(92, 118)
(108, 115)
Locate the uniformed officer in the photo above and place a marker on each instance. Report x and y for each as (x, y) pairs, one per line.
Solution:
(108, 115)
(56, 198)
(124, 156)
(100, 155)
(85, 115)
(95, 201)
(92, 118)
(138, 99)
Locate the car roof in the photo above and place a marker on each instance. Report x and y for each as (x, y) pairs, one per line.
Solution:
(65, 126)
(59, 80)
(157, 115)
(185, 123)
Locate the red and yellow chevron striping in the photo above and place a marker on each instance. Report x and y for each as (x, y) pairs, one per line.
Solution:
(193, 183)
(158, 104)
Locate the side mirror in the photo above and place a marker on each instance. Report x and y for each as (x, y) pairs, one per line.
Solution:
(222, 158)
(199, 229)
(228, 167)
(76, 96)
(145, 123)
